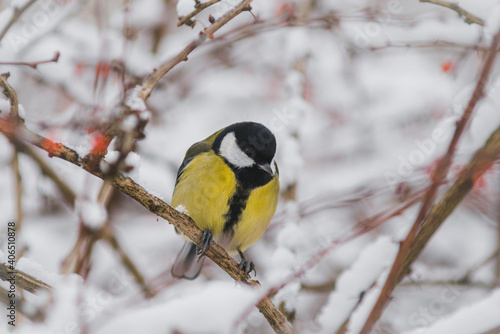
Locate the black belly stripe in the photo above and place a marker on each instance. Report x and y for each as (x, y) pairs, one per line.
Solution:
(237, 204)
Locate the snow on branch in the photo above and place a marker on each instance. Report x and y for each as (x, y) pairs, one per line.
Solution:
(23, 280)
(182, 222)
(12, 96)
(153, 79)
(431, 217)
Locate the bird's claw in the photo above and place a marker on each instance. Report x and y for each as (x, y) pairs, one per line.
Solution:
(206, 240)
(246, 266)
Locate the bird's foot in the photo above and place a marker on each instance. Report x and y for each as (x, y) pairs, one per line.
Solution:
(246, 266)
(206, 240)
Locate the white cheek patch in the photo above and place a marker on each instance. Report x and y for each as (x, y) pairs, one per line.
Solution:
(230, 150)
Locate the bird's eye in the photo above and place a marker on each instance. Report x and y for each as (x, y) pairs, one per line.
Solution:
(250, 152)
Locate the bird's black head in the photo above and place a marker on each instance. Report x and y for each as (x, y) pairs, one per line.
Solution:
(249, 149)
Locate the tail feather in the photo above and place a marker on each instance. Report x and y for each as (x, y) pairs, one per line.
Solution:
(186, 264)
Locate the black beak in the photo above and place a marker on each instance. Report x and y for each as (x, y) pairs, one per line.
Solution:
(267, 167)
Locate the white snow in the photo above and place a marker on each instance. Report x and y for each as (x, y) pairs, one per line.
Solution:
(358, 279)
(129, 123)
(21, 111)
(196, 310)
(352, 95)
(479, 317)
(182, 209)
(4, 107)
(145, 115)
(133, 100)
(493, 20)
(184, 7)
(219, 9)
(134, 160)
(93, 213)
(18, 3)
(37, 270)
(81, 149)
(111, 157)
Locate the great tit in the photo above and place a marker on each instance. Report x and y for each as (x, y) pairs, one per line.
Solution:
(228, 184)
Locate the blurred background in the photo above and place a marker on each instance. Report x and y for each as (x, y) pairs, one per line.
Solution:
(362, 96)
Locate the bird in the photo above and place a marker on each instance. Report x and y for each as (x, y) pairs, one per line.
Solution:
(228, 184)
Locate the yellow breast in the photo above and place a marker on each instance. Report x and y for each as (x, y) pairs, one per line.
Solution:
(261, 206)
(205, 188)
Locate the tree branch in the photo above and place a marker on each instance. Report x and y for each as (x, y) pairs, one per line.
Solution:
(34, 64)
(198, 8)
(127, 261)
(11, 95)
(23, 280)
(444, 164)
(17, 13)
(468, 17)
(480, 163)
(16, 172)
(181, 221)
(67, 193)
(153, 79)
(427, 223)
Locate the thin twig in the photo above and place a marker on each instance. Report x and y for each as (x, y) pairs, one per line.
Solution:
(34, 64)
(68, 195)
(17, 13)
(153, 79)
(129, 264)
(28, 310)
(468, 17)
(444, 164)
(14, 117)
(155, 205)
(429, 44)
(87, 239)
(471, 271)
(67, 264)
(365, 226)
(198, 8)
(427, 223)
(469, 284)
(11, 95)
(380, 218)
(110, 130)
(304, 268)
(105, 194)
(19, 188)
(479, 164)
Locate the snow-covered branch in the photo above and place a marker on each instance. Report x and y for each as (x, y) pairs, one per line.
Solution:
(431, 217)
(154, 204)
(23, 280)
(153, 79)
